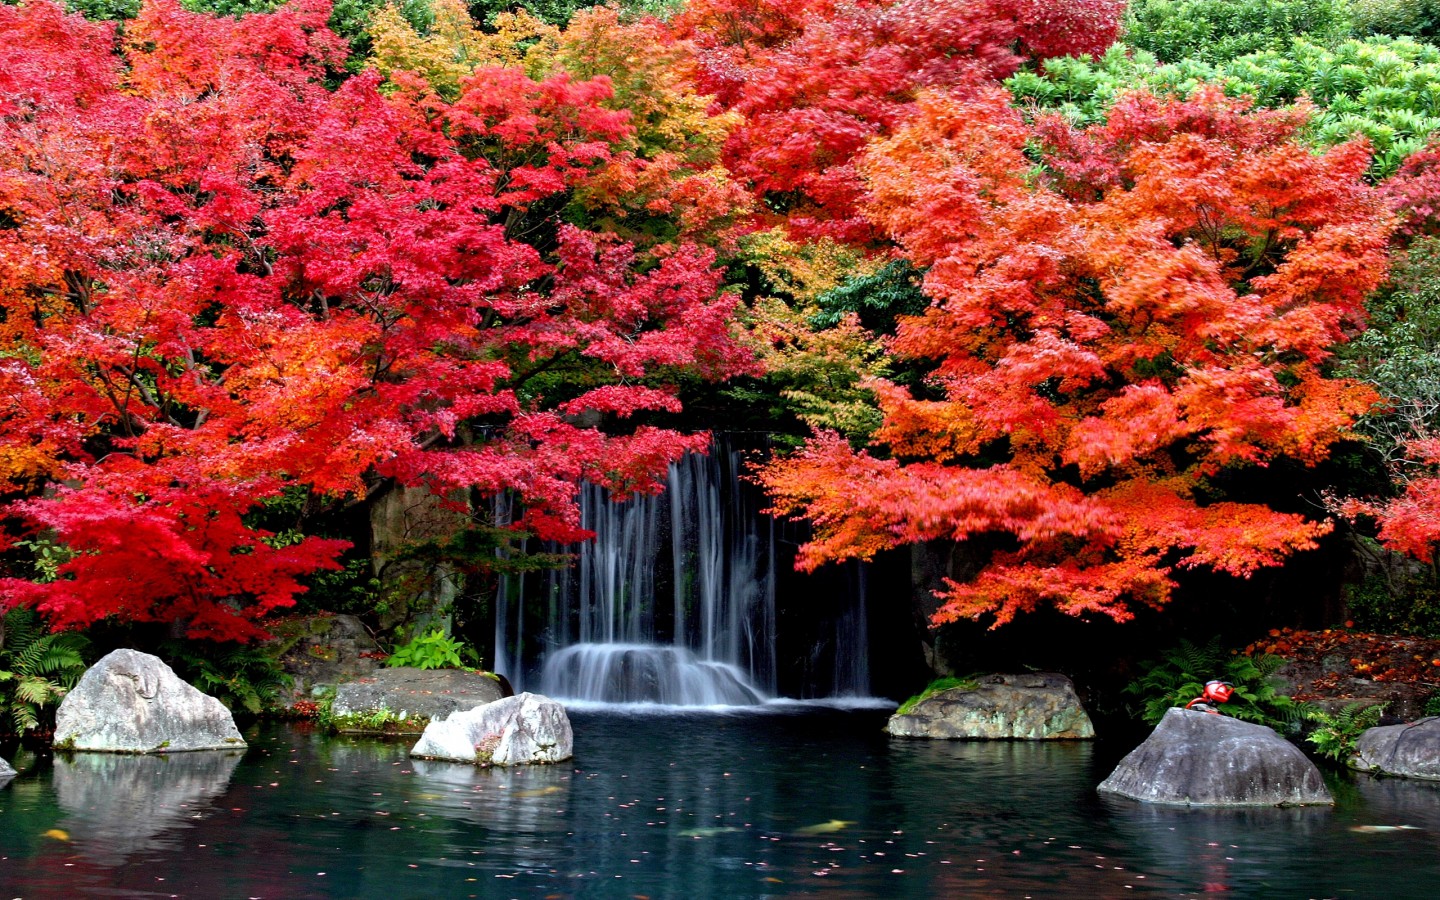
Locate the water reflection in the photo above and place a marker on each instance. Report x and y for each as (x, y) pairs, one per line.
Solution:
(119, 806)
(706, 807)
(507, 800)
(1400, 801)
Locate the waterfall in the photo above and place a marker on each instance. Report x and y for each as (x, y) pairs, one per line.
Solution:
(673, 602)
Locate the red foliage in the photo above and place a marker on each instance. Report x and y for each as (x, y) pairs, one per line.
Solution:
(818, 81)
(1414, 192)
(1409, 523)
(1103, 347)
(223, 281)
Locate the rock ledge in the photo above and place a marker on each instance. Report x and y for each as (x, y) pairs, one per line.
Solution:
(1039, 706)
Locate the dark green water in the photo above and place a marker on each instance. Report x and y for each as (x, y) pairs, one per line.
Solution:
(686, 806)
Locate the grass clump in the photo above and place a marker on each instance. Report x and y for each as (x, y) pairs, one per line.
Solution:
(968, 683)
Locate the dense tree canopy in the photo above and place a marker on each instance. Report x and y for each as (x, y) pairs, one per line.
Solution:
(1035, 288)
(223, 281)
(1107, 344)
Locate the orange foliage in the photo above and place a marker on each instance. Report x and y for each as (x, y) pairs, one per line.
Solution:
(1105, 343)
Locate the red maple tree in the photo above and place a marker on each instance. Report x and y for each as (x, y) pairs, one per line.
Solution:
(222, 281)
(817, 81)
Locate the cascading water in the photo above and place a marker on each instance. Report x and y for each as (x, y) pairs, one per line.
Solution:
(672, 603)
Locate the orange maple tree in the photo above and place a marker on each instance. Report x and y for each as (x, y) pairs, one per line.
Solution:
(221, 281)
(1108, 335)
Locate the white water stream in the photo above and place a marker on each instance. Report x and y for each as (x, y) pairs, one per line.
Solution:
(672, 603)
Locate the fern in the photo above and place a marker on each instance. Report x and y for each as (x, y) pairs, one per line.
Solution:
(1180, 675)
(1335, 736)
(37, 669)
(244, 678)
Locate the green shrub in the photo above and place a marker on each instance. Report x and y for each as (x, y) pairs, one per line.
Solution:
(1432, 704)
(36, 669)
(1335, 734)
(1407, 18)
(1386, 89)
(1398, 353)
(1225, 29)
(1394, 605)
(244, 677)
(1180, 675)
(432, 650)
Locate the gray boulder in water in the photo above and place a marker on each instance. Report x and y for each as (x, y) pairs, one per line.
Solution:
(1039, 706)
(525, 729)
(408, 695)
(1405, 751)
(7, 772)
(1201, 759)
(132, 702)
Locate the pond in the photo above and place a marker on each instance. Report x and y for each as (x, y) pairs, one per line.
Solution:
(786, 801)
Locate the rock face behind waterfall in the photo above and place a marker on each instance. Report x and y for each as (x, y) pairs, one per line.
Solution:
(132, 702)
(1200, 759)
(1035, 707)
(522, 730)
(1405, 751)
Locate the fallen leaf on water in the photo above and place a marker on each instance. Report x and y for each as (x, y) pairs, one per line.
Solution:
(57, 834)
(829, 827)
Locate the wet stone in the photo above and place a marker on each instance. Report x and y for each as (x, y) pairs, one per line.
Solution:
(415, 694)
(1404, 751)
(132, 702)
(526, 729)
(1199, 759)
(1037, 706)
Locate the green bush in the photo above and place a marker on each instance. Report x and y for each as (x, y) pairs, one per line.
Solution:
(432, 650)
(1399, 351)
(36, 669)
(1224, 29)
(1395, 604)
(1408, 18)
(1180, 675)
(1335, 734)
(1386, 89)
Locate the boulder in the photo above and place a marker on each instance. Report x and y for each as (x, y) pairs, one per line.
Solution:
(1405, 751)
(7, 772)
(131, 702)
(1040, 706)
(522, 730)
(411, 698)
(320, 652)
(1201, 759)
